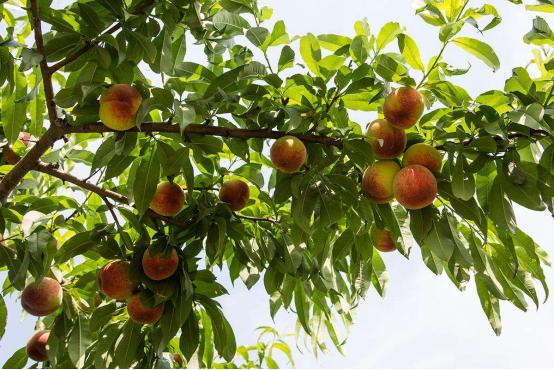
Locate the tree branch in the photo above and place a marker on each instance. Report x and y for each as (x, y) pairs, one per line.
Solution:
(44, 70)
(104, 193)
(20, 169)
(256, 219)
(55, 132)
(92, 43)
(199, 129)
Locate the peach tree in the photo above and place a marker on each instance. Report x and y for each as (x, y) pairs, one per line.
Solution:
(135, 174)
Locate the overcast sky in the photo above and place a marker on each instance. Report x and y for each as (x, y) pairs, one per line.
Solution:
(424, 321)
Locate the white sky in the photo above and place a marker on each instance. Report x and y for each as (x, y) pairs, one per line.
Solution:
(424, 321)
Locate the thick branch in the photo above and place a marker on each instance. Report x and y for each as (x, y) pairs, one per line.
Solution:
(28, 162)
(211, 130)
(103, 193)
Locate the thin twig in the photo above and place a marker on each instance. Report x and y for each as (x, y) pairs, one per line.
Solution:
(50, 170)
(256, 219)
(92, 43)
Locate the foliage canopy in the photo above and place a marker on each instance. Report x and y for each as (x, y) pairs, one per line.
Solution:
(79, 194)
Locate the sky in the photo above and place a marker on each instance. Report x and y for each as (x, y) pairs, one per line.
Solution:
(424, 321)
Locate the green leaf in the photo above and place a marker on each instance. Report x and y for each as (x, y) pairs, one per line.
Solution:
(490, 305)
(144, 44)
(224, 338)
(257, 36)
(230, 22)
(439, 240)
(145, 185)
(479, 49)
(359, 49)
(500, 209)
(286, 59)
(127, 345)
(3, 316)
(463, 182)
(79, 340)
(18, 360)
(302, 306)
(311, 52)
(190, 336)
(410, 51)
(387, 34)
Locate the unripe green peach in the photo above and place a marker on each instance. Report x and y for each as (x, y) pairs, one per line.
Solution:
(235, 193)
(415, 187)
(114, 280)
(288, 154)
(403, 107)
(423, 154)
(142, 314)
(378, 180)
(43, 297)
(168, 199)
(119, 106)
(387, 141)
(382, 239)
(36, 346)
(159, 266)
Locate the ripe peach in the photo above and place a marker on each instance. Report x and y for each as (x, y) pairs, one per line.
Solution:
(36, 346)
(415, 187)
(118, 107)
(168, 199)
(388, 142)
(403, 107)
(424, 155)
(159, 266)
(236, 193)
(288, 154)
(382, 239)
(114, 281)
(41, 298)
(378, 179)
(141, 313)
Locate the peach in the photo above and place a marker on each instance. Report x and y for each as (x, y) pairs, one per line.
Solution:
(160, 266)
(235, 193)
(424, 155)
(118, 107)
(388, 142)
(403, 107)
(288, 154)
(141, 313)
(168, 199)
(36, 346)
(114, 281)
(415, 187)
(378, 179)
(382, 239)
(43, 297)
